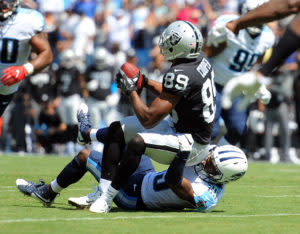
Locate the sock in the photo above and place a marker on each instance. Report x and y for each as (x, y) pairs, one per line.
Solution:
(55, 186)
(71, 173)
(110, 193)
(99, 134)
(104, 184)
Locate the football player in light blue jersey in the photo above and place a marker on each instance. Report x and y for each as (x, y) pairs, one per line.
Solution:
(147, 189)
(21, 33)
(232, 55)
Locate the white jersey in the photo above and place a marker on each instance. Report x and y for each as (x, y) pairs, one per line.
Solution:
(15, 38)
(157, 195)
(241, 52)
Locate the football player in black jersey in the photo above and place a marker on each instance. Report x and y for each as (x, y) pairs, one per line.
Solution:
(188, 94)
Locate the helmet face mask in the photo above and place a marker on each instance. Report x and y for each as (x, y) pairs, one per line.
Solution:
(180, 39)
(226, 163)
(7, 8)
(247, 6)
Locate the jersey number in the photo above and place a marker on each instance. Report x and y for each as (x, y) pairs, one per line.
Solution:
(159, 182)
(243, 61)
(180, 84)
(9, 50)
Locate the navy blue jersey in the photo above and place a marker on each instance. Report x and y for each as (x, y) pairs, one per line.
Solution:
(193, 80)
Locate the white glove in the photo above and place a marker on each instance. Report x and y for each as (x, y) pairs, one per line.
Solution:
(263, 94)
(246, 84)
(217, 35)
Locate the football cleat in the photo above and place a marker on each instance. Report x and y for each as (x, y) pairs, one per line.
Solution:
(84, 124)
(85, 201)
(39, 191)
(101, 205)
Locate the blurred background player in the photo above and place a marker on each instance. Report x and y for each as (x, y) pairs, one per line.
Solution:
(231, 56)
(99, 85)
(69, 83)
(17, 42)
(146, 188)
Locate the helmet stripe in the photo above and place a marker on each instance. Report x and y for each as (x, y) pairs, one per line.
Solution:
(229, 151)
(196, 35)
(227, 158)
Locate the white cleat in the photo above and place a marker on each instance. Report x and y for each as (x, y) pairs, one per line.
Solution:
(101, 206)
(85, 201)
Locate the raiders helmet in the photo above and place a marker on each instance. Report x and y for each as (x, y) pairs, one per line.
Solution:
(181, 39)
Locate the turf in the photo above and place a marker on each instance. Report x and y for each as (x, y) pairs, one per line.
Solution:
(265, 200)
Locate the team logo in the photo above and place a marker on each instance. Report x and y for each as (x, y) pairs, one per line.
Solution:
(174, 38)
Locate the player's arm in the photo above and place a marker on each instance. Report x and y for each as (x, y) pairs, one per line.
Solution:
(41, 47)
(267, 12)
(154, 86)
(159, 109)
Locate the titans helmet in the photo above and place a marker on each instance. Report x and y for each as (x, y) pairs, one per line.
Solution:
(249, 5)
(8, 8)
(230, 163)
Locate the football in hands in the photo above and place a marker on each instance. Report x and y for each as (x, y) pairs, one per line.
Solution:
(132, 72)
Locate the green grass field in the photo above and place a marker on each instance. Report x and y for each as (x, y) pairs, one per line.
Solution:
(265, 200)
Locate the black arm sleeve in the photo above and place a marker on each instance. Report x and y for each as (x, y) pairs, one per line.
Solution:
(289, 43)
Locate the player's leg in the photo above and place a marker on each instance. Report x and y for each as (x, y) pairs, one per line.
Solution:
(71, 173)
(235, 121)
(4, 101)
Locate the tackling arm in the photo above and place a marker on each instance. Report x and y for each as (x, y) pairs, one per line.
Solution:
(267, 12)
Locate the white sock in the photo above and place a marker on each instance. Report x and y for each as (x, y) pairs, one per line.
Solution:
(93, 134)
(110, 193)
(104, 184)
(55, 186)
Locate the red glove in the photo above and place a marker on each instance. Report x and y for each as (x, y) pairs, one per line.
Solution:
(15, 74)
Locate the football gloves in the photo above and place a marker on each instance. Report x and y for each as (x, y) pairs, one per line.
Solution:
(217, 35)
(127, 85)
(15, 74)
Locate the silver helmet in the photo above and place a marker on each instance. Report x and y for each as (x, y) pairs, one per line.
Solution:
(230, 163)
(8, 7)
(249, 5)
(181, 39)
(67, 58)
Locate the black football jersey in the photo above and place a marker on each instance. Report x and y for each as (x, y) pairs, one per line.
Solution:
(68, 81)
(193, 80)
(104, 78)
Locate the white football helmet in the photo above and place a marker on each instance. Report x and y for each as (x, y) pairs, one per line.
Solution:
(249, 5)
(67, 58)
(181, 39)
(230, 164)
(8, 7)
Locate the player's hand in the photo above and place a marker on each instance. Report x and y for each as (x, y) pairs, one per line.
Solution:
(217, 35)
(15, 74)
(126, 84)
(247, 84)
(263, 95)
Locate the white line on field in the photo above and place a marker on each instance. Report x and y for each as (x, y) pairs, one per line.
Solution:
(277, 196)
(142, 217)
